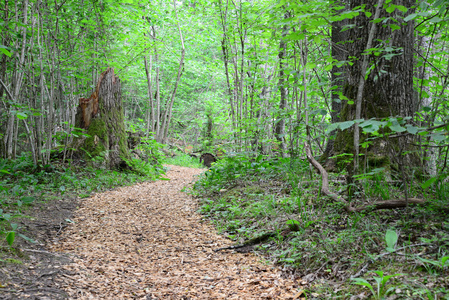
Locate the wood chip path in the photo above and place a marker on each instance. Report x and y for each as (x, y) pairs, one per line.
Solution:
(147, 242)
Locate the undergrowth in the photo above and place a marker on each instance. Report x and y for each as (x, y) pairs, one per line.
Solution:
(336, 253)
(183, 160)
(22, 184)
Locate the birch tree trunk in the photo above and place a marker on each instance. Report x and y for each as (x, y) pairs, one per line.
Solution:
(168, 111)
(150, 113)
(10, 139)
(280, 124)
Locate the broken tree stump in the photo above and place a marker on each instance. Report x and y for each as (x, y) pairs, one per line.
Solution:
(102, 117)
(207, 159)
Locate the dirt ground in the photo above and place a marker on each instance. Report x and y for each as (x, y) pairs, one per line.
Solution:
(141, 242)
(29, 270)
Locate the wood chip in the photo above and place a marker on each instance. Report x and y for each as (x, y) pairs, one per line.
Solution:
(147, 242)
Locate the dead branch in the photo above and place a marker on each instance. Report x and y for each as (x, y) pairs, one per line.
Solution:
(378, 205)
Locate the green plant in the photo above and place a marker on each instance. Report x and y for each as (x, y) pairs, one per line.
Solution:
(441, 264)
(183, 160)
(152, 151)
(391, 238)
(379, 290)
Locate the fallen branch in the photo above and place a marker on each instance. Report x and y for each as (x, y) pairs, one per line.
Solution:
(251, 242)
(388, 204)
(325, 179)
(378, 205)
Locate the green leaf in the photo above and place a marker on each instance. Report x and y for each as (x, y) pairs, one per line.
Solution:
(391, 237)
(297, 36)
(6, 52)
(292, 222)
(426, 108)
(412, 129)
(10, 237)
(361, 281)
(393, 28)
(444, 260)
(27, 199)
(401, 8)
(27, 238)
(346, 125)
(22, 116)
(4, 216)
(397, 128)
(429, 182)
(331, 127)
(438, 137)
(390, 9)
(435, 20)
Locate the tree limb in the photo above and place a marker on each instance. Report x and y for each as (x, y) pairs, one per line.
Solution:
(378, 205)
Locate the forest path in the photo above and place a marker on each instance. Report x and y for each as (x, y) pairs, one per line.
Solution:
(147, 242)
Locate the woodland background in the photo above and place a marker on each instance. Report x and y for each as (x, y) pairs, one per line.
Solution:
(238, 75)
(359, 87)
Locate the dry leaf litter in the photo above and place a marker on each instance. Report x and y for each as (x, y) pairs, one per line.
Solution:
(147, 242)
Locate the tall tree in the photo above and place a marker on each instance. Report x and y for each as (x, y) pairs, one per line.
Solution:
(388, 86)
(283, 81)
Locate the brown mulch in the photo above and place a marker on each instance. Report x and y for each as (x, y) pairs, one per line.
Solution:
(148, 242)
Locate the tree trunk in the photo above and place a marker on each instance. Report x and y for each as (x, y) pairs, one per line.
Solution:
(103, 118)
(283, 81)
(388, 89)
(150, 112)
(339, 38)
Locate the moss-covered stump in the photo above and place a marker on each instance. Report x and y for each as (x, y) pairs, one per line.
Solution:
(102, 117)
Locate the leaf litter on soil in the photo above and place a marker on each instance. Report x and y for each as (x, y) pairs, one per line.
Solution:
(148, 242)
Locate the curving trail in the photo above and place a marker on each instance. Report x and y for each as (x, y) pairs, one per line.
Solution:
(147, 242)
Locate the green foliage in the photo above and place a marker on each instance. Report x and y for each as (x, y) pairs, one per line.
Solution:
(22, 184)
(244, 197)
(442, 263)
(378, 291)
(391, 237)
(228, 169)
(183, 160)
(152, 151)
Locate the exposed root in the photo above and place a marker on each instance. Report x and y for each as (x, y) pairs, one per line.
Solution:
(378, 205)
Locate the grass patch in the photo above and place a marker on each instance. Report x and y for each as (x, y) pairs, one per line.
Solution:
(183, 160)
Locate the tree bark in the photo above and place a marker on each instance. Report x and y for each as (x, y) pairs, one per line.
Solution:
(388, 89)
(103, 118)
(339, 53)
(283, 81)
(168, 110)
(388, 204)
(150, 113)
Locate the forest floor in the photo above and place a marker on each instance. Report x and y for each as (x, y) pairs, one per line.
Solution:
(145, 241)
